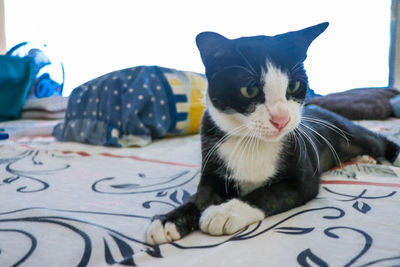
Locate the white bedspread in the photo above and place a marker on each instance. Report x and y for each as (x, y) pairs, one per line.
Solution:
(70, 204)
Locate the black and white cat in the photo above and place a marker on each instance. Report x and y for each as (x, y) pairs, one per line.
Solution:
(262, 151)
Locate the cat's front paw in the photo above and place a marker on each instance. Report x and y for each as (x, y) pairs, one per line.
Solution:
(229, 217)
(159, 232)
(364, 159)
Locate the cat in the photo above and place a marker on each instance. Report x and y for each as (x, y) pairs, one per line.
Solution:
(263, 150)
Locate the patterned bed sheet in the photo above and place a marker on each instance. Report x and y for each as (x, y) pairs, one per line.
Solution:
(71, 204)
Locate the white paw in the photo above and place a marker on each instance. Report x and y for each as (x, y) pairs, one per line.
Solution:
(158, 234)
(364, 159)
(229, 217)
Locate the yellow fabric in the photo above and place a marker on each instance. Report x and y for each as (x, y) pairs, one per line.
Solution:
(198, 85)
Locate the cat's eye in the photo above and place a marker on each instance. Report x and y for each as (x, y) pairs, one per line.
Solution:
(293, 87)
(249, 92)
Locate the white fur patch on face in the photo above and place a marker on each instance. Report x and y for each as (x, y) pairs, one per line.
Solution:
(158, 234)
(227, 122)
(259, 121)
(229, 217)
(275, 84)
(276, 105)
(251, 160)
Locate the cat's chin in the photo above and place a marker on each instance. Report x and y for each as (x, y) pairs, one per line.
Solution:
(272, 137)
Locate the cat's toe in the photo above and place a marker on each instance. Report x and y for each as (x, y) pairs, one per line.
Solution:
(211, 221)
(216, 225)
(228, 218)
(157, 233)
(205, 220)
(233, 224)
(171, 231)
(217, 221)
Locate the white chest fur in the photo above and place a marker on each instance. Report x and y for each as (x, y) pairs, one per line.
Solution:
(252, 162)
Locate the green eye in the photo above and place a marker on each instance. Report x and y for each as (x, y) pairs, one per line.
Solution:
(293, 87)
(249, 92)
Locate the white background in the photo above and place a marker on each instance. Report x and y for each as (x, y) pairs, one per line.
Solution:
(95, 37)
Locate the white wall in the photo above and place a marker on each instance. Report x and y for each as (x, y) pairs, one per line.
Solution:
(2, 29)
(95, 37)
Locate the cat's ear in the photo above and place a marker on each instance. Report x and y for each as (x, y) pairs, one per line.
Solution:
(307, 35)
(302, 39)
(209, 44)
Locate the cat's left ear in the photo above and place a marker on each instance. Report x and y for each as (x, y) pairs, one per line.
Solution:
(302, 39)
(209, 44)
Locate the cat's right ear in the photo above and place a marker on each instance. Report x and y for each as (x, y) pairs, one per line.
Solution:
(209, 44)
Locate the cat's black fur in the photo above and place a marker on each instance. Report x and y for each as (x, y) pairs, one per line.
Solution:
(301, 162)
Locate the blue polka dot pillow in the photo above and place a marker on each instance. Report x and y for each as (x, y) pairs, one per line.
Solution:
(130, 107)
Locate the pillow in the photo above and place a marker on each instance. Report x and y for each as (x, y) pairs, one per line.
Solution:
(359, 104)
(130, 107)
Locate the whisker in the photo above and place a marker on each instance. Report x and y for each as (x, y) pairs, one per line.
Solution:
(233, 67)
(294, 138)
(335, 154)
(243, 149)
(250, 151)
(247, 62)
(328, 125)
(234, 151)
(228, 164)
(315, 149)
(296, 66)
(300, 137)
(218, 143)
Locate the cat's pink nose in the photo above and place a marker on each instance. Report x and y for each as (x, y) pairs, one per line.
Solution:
(279, 122)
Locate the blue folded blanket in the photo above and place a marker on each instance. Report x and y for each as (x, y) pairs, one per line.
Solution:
(132, 106)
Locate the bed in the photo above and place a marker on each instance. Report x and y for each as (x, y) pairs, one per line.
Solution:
(74, 204)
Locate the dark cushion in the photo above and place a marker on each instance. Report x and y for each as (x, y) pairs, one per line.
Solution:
(359, 104)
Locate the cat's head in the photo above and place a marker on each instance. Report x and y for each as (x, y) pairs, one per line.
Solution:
(257, 85)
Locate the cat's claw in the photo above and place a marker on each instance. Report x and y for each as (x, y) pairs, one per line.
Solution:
(229, 217)
(157, 233)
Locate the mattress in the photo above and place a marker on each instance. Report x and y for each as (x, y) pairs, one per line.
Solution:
(73, 204)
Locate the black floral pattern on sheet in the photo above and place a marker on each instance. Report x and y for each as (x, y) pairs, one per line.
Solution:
(29, 168)
(28, 177)
(358, 204)
(110, 185)
(68, 223)
(307, 256)
(86, 233)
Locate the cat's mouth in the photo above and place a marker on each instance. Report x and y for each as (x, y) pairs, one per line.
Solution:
(272, 135)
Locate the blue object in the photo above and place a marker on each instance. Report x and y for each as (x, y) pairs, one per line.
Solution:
(129, 107)
(45, 86)
(49, 72)
(395, 103)
(16, 77)
(4, 136)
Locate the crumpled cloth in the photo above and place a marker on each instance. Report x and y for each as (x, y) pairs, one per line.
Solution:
(131, 107)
